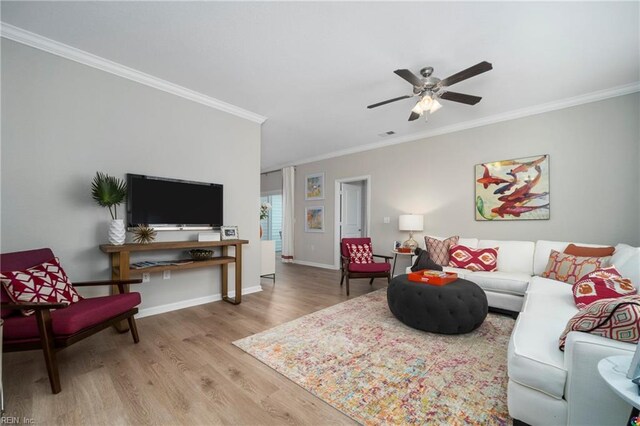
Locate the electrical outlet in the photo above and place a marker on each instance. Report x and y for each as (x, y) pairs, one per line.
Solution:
(146, 277)
(386, 219)
(166, 275)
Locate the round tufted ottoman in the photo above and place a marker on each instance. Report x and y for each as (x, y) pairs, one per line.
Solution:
(455, 308)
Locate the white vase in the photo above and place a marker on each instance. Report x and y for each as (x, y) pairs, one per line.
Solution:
(117, 233)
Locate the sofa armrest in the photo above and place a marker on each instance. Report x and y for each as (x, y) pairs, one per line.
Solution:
(585, 387)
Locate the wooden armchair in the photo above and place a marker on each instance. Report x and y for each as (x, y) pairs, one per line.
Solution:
(361, 270)
(54, 326)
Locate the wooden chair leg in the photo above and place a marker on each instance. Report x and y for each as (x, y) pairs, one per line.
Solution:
(342, 279)
(371, 281)
(133, 328)
(43, 318)
(347, 284)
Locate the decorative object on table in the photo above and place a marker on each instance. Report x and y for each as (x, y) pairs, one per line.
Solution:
(201, 254)
(411, 223)
(426, 377)
(264, 213)
(229, 233)
(432, 277)
(143, 234)
(397, 245)
(208, 236)
(314, 187)
(515, 189)
(110, 192)
(314, 219)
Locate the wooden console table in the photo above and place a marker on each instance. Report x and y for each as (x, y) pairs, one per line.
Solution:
(121, 269)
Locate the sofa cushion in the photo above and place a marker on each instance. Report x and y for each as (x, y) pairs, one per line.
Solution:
(569, 269)
(603, 283)
(473, 259)
(513, 256)
(626, 259)
(370, 267)
(360, 253)
(543, 251)
(617, 319)
(438, 249)
(75, 317)
(584, 251)
(501, 282)
(46, 282)
(534, 359)
(550, 298)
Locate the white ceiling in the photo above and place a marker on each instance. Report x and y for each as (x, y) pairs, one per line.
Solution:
(312, 68)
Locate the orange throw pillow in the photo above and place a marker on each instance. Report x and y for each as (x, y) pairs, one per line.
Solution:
(575, 250)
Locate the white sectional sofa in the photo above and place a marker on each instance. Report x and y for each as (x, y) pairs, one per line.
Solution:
(546, 385)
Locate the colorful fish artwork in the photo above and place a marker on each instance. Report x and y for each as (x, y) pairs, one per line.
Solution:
(513, 189)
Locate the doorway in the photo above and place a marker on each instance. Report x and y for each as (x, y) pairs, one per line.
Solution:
(352, 210)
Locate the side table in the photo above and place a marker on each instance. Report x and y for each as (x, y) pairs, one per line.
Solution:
(613, 370)
(395, 257)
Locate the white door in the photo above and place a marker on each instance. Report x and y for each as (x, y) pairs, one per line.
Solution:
(351, 211)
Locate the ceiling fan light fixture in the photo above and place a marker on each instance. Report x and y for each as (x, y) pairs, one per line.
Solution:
(418, 109)
(435, 105)
(425, 102)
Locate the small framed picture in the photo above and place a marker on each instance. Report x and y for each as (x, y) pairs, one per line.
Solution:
(314, 187)
(397, 245)
(314, 219)
(229, 233)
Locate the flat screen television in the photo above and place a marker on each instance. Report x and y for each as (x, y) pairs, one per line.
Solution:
(172, 203)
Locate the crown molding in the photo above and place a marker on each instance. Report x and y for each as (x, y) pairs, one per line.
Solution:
(37, 41)
(510, 115)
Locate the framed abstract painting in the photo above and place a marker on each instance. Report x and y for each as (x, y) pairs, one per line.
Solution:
(314, 219)
(314, 187)
(515, 189)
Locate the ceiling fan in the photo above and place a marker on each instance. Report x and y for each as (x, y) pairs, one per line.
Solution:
(429, 89)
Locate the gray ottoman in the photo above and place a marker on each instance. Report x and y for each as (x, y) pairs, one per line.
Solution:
(455, 308)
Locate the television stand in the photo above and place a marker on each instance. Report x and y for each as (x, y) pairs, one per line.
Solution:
(121, 269)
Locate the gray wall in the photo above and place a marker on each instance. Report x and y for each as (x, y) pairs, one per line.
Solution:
(62, 122)
(595, 180)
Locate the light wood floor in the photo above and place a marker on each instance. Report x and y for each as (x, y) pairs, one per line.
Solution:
(185, 369)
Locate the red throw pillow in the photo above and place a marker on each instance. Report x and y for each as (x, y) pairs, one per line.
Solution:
(360, 253)
(569, 269)
(600, 284)
(438, 250)
(46, 282)
(617, 319)
(485, 259)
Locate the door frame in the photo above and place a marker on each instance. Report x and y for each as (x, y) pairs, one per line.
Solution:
(338, 208)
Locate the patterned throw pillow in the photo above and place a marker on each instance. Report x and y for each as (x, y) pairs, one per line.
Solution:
(485, 259)
(617, 319)
(438, 250)
(360, 253)
(569, 269)
(600, 284)
(46, 282)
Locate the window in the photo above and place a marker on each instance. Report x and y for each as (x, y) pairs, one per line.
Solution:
(272, 226)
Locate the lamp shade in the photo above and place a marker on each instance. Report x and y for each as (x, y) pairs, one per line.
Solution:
(411, 222)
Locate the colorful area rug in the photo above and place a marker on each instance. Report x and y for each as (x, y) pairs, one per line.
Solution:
(359, 358)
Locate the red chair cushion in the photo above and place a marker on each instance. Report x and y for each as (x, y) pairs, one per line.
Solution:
(346, 241)
(45, 282)
(360, 253)
(369, 267)
(74, 318)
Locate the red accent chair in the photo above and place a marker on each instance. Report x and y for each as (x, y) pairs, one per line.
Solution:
(54, 326)
(362, 270)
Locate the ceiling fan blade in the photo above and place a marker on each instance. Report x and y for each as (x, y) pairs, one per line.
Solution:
(414, 116)
(483, 66)
(388, 101)
(461, 97)
(410, 77)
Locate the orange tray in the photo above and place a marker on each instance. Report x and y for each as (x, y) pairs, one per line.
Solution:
(420, 277)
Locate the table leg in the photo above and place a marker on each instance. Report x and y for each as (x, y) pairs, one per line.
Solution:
(120, 271)
(225, 295)
(393, 270)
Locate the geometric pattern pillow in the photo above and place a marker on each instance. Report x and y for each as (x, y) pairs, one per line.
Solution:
(360, 253)
(438, 250)
(569, 269)
(604, 283)
(46, 282)
(617, 319)
(485, 259)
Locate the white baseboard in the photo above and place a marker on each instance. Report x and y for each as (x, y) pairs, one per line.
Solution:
(155, 310)
(315, 265)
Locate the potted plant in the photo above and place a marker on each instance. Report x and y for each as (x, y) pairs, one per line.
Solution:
(110, 192)
(264, 213)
